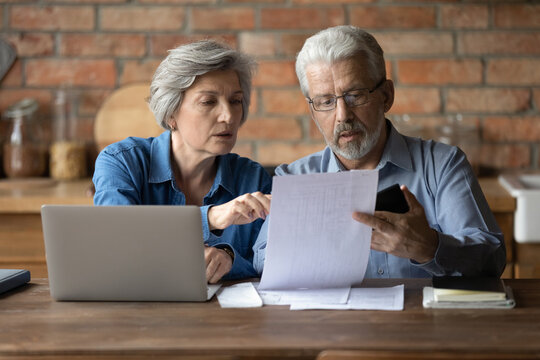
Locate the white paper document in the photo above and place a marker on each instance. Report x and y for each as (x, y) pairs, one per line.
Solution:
(313, 241)
(390, 298)
(305, 296)
(241, 295)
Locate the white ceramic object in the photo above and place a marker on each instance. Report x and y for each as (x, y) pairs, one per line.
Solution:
(526, 190)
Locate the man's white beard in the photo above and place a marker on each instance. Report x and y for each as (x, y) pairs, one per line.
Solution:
(354, 150)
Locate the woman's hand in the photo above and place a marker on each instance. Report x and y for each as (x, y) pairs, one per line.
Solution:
(242, 210)
(218, 263)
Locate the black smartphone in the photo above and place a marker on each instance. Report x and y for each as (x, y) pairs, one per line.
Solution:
(391, 199)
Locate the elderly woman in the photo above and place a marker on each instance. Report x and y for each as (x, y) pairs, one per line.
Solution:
(200, 94)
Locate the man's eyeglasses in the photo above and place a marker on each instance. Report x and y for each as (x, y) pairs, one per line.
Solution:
(352, 98)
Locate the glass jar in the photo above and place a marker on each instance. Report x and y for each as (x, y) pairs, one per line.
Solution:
(465, 135)
(67, 152)
(24, 150)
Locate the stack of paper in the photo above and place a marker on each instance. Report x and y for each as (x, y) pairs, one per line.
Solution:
(465, 292)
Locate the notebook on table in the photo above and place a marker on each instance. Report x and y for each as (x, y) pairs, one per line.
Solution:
(125, 253)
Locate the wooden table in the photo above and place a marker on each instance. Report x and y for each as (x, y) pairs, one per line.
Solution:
(32, 324)
(21, 238)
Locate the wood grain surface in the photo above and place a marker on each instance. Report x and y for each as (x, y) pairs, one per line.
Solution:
(125, 113)
(34, 325)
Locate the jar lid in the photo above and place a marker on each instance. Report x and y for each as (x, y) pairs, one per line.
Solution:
(25, 107)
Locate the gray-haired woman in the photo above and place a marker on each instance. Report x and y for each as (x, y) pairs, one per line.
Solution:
(200, 95)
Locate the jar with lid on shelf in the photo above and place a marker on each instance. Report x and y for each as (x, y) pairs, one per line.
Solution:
(24, 149)
(67, 151)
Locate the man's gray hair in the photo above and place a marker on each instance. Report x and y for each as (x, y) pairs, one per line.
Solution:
(179, 69)
(340, 43)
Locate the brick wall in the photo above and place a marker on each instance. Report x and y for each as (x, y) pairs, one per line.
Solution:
(478, 59)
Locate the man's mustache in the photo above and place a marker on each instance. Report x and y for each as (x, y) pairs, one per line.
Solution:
(348, 126)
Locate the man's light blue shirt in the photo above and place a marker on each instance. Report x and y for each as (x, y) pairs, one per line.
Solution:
(138, 171)
(441, 178)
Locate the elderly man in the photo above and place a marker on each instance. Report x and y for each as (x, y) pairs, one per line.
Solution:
(449, 228)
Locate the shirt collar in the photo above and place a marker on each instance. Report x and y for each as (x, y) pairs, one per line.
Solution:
(160, 159)
(396, 150)
(161, 167)
(224, 176)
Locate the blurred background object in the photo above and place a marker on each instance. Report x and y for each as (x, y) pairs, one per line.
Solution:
(68, 151)
(24, 149)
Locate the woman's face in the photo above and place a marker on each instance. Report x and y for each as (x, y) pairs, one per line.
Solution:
(210, 115)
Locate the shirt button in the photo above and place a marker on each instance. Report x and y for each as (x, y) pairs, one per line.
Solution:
(380, 271)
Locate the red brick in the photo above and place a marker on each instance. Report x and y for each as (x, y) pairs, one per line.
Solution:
(501, 129)
(275, 2)
(301, 18)
(88, 1)
(257, 44)
(404, 43)
(241, 18)
(178, 2)
(440, 71)
(161, 43)
(427, 1)
(275, 73)
(279, 152)
(270, 128)
(513, 71)
(502, 156)
(287, 101)
(91, 100)
(138, 71)
(416, 100)
(536, 97)
(117, 45)
(291, 44)
(389, 17)
(142, 18)
(254, 105)
(516, 16)
(9, 97)
(465, 16)
(88, 73)
(32, 44)
(14, 75)
(484, 43)
(330, 2)
(52, 18)
(487, 100)
(314, 132)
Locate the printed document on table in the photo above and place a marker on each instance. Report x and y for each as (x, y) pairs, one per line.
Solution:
(388, 298)
(313, 241)
(304, 296)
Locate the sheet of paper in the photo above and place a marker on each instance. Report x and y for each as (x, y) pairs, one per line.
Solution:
(242, 295)
(313, 242)
(390, 298)
(306, 296)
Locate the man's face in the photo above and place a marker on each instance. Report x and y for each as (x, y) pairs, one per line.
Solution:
(352, 132)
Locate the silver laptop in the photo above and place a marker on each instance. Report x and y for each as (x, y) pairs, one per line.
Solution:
(125, 253)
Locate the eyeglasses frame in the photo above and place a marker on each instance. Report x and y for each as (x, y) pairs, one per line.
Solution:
(379, 84)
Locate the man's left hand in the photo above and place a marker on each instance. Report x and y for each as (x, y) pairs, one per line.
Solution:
(405, 235)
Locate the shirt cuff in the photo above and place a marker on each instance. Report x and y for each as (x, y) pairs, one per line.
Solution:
(207, 233)
(204, 218)
(433, 267)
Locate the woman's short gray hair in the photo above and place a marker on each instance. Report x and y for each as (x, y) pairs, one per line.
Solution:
(179, 69)
(336, 44)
